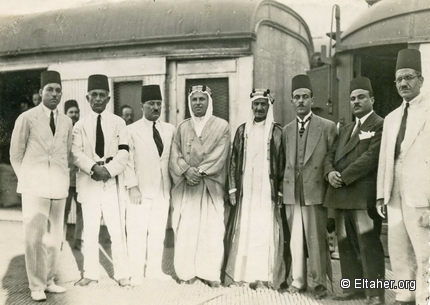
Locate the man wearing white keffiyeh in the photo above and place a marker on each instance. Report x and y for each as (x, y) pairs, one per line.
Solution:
(198, 168)
(254, 231)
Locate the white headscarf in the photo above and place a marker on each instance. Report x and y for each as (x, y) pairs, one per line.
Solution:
(200, 122)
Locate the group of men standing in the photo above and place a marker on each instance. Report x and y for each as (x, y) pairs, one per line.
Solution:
(280, 183)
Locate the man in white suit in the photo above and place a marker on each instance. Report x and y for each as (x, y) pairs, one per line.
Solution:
(404, 181)
(100, 151)
(40, 147)
(148, 182)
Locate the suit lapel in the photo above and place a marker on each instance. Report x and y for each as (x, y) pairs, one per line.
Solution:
(292, 141)
(89, 132)
(60, 130)
(343, 140)
(41, 124)
(145, 134)
(415, 128)
(314, 134)
(108, 133)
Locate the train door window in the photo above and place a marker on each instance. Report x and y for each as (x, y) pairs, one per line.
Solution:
(219, 89)
(128, 93)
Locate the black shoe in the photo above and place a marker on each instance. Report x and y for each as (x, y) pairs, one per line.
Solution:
(258, 285)
(85, 282)
(213, 284)
(293, 289)
(320, 292)
(350, 296)
(283, 287)
(375, 300)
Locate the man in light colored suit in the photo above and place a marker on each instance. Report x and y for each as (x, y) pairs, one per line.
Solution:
(40, 147)
(307, 140)
(100, 151)
(148, 182)
(404, 180)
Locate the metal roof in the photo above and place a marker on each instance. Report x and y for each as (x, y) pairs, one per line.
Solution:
(389, 22)
(133, 23)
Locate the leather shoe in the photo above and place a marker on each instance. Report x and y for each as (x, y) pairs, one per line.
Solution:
(85, 282)
(213, 284)
(124, 282)
(375, 300)
(293, 289)
(320, 292)
(38, 296)
(54, 288)
(350, 296)
(258, 285)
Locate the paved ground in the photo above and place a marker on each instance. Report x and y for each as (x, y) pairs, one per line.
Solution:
(14, 289)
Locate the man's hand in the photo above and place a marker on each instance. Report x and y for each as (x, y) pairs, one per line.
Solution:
(135, 195)
(424, 220)
(233, 198)
(335, 179)
(100, 173)
(380, 207)
(192, 175)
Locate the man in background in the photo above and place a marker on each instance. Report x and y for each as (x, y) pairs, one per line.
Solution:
(127, 113)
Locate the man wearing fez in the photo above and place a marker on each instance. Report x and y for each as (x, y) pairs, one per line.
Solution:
(100, 151)
(404, 180)
(307, 139)
(255, 238)
(127, 113)
(351, 169)
(71, 109)
(39, 152)
(148, 182)
(198, 167)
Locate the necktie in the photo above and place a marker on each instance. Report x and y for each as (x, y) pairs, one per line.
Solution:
(100, 140)
(302, 126)
(157, 140)
(357, 129)
(402, 130)
(51, 122)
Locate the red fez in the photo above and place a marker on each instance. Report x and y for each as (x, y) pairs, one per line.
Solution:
(151, 93)
(300, 81)
(361, 83)
(98, 81)
(49, 77)
(409, 59)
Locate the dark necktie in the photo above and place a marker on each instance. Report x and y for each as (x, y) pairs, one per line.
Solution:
(302, 126)
(51, 123)
(157, 139)
(100, 140)
(402, 130)
(357, 129)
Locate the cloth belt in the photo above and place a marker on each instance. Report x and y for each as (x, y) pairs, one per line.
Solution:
(104, 162)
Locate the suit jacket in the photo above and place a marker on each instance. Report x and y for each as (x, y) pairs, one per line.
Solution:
(40, 159)
(415, 179)
(357, 161)
(322, 134)
(84, 156)
(145, 168)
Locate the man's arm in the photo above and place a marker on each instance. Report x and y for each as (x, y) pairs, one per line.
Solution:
(18, 142)
(119, 161)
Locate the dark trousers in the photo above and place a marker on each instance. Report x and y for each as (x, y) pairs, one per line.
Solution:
(360, 248)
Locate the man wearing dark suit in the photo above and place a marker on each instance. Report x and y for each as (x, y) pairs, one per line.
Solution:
(307, 140)
(40, 147)
(351, 169)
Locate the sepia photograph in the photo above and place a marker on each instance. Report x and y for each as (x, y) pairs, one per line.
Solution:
(217, 152)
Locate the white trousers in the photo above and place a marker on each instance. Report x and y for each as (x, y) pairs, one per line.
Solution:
(43, 232)
(107, 206)
(408, 244)
(146, 230)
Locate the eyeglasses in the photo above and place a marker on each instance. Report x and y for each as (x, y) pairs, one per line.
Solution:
(102, 95)
(407, 78)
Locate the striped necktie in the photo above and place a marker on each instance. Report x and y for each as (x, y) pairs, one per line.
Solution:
(52, 123)
(302, 125)
(157, 139)
(402, 130)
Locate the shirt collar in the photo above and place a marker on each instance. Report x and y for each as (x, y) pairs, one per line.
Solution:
(148, 122)
(415, 101)
(363, 119)
(47, 111)
(95, 114)
(305, 118)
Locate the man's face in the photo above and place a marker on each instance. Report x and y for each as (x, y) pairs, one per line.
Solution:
(73, 113)
(302, 101)
(36, 99)
(98, 100)
(51, 95)
(260, 107)
(151, 110)
(408, 83)
(128, 115)
(199, 103)
(361, 102)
